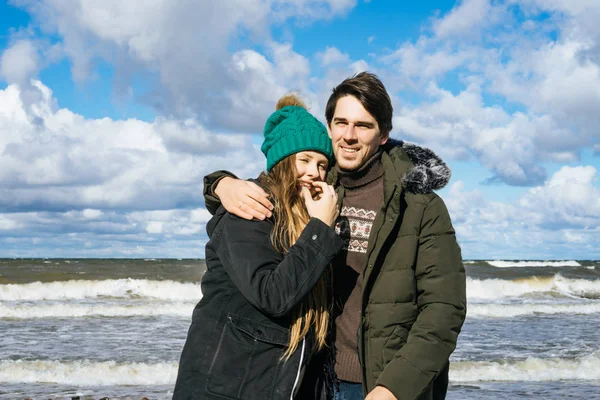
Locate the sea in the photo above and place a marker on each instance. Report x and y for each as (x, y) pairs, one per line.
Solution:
(114, 328)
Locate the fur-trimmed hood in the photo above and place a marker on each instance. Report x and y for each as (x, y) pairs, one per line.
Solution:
(428, 173)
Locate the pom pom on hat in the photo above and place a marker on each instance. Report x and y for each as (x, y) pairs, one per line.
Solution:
(290, 100)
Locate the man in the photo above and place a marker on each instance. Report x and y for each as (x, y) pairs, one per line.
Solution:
(400, 284)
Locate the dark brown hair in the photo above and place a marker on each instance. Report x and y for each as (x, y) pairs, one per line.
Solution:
(370, 92)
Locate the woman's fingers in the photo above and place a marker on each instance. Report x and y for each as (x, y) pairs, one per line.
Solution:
(325, 188)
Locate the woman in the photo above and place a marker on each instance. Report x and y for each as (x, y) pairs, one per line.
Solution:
(265, 305)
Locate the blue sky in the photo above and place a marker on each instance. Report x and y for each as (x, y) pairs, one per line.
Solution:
(111, 113)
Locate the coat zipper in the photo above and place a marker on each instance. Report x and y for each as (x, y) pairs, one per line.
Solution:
(299, 369)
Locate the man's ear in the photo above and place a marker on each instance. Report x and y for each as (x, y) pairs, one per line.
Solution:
(384, 139)
(328, 130)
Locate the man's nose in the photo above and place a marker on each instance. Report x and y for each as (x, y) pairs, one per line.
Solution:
(350, 132)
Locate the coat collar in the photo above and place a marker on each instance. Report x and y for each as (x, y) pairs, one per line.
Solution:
(417, 169)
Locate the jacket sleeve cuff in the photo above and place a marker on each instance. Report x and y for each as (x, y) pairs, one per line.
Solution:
(404, 380)
(211, 200)
(322, 236)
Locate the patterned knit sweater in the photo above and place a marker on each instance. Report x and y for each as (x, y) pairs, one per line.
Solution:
(362, 200)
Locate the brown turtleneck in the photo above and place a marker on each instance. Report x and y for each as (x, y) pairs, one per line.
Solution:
(362, 200)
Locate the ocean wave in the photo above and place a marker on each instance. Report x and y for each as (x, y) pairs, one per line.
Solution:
(110, 373)
(489, 289)
(531, 369)
(87, 373)
(80, 311)
(510, 264)
(176, 291)
(81, 289)
(184, 310)
(584, 288)
(517, 310)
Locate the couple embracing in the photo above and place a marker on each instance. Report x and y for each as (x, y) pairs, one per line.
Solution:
(336, 274)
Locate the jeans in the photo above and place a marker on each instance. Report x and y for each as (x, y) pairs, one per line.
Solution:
(348, 391)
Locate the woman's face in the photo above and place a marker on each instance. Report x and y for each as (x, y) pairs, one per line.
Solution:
(311, 166)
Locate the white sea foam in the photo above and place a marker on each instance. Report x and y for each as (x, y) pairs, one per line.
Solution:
(499, 288)
(87, 373)
(78, 311)
(509, 264)
(109, 373)
(531, 369)
(184, 310)
(516, 310)
(80, 289)
(578, 287)
(489, 289)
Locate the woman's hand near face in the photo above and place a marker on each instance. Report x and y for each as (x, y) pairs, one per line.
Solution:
(325, 207)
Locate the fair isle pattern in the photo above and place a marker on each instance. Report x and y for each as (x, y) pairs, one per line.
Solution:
(354, 226)
(361, 213)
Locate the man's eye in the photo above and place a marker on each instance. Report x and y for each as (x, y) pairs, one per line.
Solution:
(340, 123)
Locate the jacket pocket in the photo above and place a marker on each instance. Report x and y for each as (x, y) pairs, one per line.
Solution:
(247, 360)
(396, 340)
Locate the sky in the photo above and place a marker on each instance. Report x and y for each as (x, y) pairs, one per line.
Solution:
(112, 112)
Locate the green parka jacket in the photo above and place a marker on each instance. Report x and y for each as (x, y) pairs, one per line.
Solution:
(414, 294)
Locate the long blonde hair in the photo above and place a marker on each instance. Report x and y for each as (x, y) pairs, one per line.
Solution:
(290, 219)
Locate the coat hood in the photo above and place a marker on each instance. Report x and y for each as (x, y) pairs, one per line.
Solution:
(428, 171)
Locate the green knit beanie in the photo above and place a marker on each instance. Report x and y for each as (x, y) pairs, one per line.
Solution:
(293, 129)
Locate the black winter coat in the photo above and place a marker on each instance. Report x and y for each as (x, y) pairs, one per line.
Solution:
(240, 328)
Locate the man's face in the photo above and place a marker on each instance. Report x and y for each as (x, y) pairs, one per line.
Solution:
(354, 133)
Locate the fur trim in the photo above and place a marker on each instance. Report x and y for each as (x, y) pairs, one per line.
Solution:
(429, 173)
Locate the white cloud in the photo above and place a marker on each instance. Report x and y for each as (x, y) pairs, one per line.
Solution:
(185, 46)
(468, 16)
(7, 224)
(258, 82)
(332, 56)
(569, 198)
(154, 227)
(543, 69)
(129, 187)
(20, 62)
(553, 80)
(463, 127)
(163, 233)
(70, 162)
(91, 214)
(415, 62)
(564, 211)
